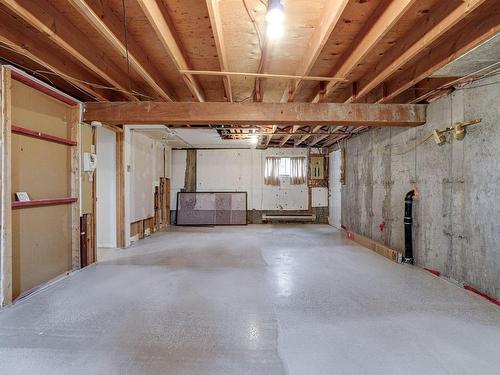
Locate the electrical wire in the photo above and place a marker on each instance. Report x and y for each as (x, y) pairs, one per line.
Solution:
(69, 78)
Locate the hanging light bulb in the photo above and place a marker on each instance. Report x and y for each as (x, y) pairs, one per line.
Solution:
(275, 12)
(274, 19)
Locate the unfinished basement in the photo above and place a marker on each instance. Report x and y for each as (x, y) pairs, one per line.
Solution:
(249, 187)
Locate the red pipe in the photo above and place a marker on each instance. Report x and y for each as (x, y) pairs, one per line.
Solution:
(42, 88)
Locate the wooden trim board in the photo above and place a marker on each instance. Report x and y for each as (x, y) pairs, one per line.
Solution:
(375, 246)
(120, 194)
(6, 196)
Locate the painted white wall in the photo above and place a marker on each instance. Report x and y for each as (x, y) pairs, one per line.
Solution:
(335, 189)
(243, 170)
(106, 188)
(145, 161)
(143, 170)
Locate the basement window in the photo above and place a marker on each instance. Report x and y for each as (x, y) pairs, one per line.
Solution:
(284, 167)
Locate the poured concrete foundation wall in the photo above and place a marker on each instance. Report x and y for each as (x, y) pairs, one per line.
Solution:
(457, 213)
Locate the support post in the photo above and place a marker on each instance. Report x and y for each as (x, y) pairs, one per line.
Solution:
(5, 186)
(75, 188)
(120, 195)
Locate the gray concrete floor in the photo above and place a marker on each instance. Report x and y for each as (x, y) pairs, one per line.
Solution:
(250, 300)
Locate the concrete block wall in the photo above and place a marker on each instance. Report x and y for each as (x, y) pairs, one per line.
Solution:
(457, 213)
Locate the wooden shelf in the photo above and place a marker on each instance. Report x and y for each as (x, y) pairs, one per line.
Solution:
(43, 202)
(44, 136)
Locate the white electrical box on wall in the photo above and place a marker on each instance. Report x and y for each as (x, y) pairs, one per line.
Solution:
(89, 162)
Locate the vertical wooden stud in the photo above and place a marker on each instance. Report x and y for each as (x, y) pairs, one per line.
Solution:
(75, 188)
(120, 196)
(5, 186)
(94, 199)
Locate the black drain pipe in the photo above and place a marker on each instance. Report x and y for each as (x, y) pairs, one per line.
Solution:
(408, 220)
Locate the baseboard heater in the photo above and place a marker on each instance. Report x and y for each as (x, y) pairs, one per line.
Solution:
(298, 218)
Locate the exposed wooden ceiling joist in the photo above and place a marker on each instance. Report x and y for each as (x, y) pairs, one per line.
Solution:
(216, 22)
(369, 39)
(166, 35)
(270, 137)
(331, 16)
(45, 19)
(285, 138)
(407, 49)
(39, 52)
(306, 136)
(148, 74)
(257, 113)
(476, 31)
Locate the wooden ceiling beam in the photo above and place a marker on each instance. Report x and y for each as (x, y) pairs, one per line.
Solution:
(223, 113)
(44, 18)
(41, 53)
(368, 40)
(166, 36)
(149, 74)
(216, 23)
(407, 49)
(476, 31)
(331, 16)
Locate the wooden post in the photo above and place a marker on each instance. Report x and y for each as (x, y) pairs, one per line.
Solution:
(94, 200)
(5, 194)
(75, 189)
(120, 196)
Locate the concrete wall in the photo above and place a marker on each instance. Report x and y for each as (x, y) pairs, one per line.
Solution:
(334, 190)
(457, 214)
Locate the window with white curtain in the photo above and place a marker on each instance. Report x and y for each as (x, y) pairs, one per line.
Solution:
(284, 166)
(272, 171)
(276, 167)
(298, 170)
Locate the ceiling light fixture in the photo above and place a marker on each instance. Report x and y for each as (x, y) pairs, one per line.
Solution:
(274, 19)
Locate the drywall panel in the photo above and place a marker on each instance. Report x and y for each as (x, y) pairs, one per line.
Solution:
(86, 185)
(41, 237)
(142, 173)
(41, 243)
(106, 188)
(319, 197)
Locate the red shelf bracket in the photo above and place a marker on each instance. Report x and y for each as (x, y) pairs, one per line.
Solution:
(44, 136)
